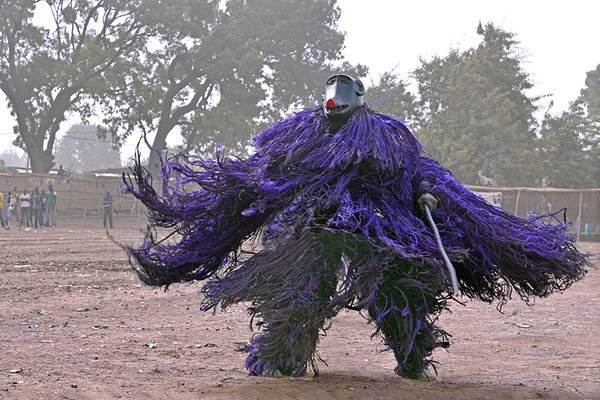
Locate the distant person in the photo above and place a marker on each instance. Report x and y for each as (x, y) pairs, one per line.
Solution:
(43, 205)
(8, 210)
(2, 210)
(108, 211)
(61, 172)
(26, 208)
(37, 208)
(14, 207)
(51, 198)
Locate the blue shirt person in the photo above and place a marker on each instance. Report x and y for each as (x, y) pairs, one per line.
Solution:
(108, 212)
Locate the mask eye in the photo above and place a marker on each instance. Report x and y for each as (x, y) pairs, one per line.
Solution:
(359, 87)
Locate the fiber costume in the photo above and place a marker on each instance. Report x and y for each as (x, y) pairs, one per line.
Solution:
(331, 198)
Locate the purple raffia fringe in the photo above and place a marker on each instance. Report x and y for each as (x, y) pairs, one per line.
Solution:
(337, 216)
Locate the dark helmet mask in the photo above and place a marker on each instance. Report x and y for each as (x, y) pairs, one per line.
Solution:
(342, 96)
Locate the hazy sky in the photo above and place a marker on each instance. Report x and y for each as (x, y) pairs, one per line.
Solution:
(559, 41)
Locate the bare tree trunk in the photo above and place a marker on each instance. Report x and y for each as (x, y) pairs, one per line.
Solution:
(40, 162)
(159, 146)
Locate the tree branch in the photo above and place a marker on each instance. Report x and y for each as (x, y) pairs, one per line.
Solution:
(193, 103)
(83, 32)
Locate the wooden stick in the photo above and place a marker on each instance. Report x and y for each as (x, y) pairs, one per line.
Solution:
(449, 265)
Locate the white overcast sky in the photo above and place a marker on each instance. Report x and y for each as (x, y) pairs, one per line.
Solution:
(560, 40)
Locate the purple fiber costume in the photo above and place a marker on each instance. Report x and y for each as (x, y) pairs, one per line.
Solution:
(336, 220)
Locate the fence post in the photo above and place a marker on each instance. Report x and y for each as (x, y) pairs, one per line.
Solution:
(579, 215)
(517, 202)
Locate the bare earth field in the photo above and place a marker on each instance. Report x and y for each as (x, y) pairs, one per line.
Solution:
(76, 324)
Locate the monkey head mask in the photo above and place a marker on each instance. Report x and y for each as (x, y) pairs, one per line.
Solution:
(342, 96)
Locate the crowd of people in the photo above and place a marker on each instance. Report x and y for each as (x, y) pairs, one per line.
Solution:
(33, 209)
(37, 208)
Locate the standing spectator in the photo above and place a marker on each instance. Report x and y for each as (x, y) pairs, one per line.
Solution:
(26, 208)
(9, 211)
(43, 205)
(51, 198)
(37, 208)
(61, 172)
(2, 209)
(108, 211)
(14, 206)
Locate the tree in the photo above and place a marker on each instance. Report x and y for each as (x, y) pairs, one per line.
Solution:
(391, 97)
(13, 158)
(478, 120)
(224, 70)
(80, 150)
(46, 72)
(570, 149)
(591, 93)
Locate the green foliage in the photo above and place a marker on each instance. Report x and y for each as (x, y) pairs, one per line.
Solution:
(222, 70)
(46, 71)
(81, 150)
(570, 148)
(478, 120)
(591, 93)
(391, 97)
(474, 115)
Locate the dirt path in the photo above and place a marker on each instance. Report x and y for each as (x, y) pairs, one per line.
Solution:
(76, 324)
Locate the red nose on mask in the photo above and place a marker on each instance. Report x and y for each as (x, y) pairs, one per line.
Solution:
(330, 103)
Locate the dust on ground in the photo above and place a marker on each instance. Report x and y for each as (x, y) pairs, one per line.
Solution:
(77, 324)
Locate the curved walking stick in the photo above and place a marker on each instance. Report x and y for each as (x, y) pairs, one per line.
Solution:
(449, 265)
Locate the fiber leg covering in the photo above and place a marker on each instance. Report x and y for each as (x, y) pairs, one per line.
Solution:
(290, 286)
(405, 309)
(289, 344)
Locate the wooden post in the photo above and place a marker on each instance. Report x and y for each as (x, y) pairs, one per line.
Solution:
(579, 215)
(517, 202)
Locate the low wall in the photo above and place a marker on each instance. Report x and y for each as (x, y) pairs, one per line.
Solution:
(76, 196)
(73, 194)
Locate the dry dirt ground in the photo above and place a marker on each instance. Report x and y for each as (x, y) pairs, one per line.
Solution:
(76, 324)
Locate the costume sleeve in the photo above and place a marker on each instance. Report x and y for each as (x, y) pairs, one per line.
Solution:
(428, 176)
(502, 252)
(204, 206)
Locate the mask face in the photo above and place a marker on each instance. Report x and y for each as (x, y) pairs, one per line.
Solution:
(342, 96)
